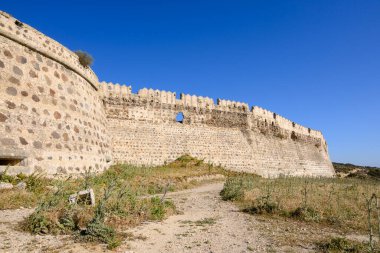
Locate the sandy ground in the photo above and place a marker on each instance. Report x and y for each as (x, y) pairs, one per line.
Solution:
(207, 224)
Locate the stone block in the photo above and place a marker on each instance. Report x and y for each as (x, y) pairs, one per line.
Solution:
(5, 186)
(86, 197)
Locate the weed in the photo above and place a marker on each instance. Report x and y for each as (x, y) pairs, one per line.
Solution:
(262, 205)
(97, 231)
(205, 221)
(340, 244)
(85, 59)
(234, 187)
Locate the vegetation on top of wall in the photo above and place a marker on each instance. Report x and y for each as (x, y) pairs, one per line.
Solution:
(85, 59)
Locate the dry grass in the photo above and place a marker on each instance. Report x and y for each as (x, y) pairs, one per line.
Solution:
(337, 202)
(122, 199)
(143, 180)
(12, 199)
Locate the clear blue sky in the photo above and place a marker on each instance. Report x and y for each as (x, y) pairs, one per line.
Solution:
(316, 62)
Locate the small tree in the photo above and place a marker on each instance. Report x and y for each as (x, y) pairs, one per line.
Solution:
(85, 59)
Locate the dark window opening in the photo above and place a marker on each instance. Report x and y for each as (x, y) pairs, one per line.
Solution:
(293, 136)
(10, 161)
(179, 118)
(274, 115)
(294, 124)
(309, 130)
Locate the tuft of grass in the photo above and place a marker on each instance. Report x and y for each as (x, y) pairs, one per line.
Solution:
(235, 186)
(85, 59)
(262, 205)
(205, 221)
(97, 231)
(339, 244)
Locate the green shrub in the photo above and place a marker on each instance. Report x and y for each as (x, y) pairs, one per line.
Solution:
(262, 206)
(339, 244)
(85, 59)
(35, 182)
(234, 187)
(99, 232)
(157, 209)
(305, 213)
(38, 223)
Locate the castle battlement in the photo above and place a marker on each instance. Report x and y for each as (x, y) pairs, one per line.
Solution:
(111, 90)
(284, 123)
(114, 90)
(232, 105)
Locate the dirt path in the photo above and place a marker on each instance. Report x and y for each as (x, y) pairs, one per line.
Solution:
(206, 224)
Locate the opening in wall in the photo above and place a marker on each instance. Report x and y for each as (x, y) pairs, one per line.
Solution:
(10, 161)
(179, 117)
(293, 136)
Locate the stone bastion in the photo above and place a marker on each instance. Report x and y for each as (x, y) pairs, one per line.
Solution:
(51, 117)
(56, 118)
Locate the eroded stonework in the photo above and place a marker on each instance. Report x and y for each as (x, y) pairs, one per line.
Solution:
(55, 117)
(144, 131)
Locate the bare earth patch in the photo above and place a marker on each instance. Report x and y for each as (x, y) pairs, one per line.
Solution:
(207, 224)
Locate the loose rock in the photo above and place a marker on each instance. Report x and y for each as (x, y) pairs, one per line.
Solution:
(5, 186)
(21, 186)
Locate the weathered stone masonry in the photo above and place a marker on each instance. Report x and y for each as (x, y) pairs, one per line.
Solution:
(144, 131)
(57, 118)
(51, 117)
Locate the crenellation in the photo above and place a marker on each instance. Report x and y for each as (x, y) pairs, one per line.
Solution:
(114, 90)
(196, 101)
(158, 96)
(228, 105)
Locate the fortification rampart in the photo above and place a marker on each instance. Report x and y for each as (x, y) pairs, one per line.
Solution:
(164, 98)
(51, 116)
(55, 117)
(226, 133)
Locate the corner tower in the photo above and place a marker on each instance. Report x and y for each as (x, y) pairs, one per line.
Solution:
(51, 117)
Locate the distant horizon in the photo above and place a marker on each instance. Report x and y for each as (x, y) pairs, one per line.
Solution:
(315, 63)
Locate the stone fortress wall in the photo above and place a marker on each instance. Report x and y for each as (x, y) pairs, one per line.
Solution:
(51, 117)
(144, 131)
(56, 117)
